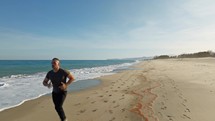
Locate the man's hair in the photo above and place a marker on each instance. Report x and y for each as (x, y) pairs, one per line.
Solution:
(56, 59)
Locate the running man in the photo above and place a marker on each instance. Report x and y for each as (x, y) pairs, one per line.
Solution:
(58, 77)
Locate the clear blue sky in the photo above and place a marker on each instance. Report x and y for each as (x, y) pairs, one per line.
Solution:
(103, 29)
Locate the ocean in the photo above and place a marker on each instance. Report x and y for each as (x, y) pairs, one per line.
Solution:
(21, 80)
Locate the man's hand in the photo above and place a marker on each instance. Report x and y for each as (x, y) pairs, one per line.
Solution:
(49, 85)
(45, 83)
(63, 86)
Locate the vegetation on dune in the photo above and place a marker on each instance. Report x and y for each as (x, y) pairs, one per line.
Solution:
(189, 55)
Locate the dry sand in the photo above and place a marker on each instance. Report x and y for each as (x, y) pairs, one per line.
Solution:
(187, 91)
(157, 90)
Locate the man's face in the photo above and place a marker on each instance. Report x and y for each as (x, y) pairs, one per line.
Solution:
(55, 64)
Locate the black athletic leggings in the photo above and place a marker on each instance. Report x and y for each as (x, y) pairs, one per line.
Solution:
(58, 99)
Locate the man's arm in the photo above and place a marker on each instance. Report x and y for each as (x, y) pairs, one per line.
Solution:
(65, 85)
(71, 79)
(45, 82)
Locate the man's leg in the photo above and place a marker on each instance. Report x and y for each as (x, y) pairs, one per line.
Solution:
(58, 99)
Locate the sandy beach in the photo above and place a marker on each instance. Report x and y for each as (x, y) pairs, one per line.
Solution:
(154, 90)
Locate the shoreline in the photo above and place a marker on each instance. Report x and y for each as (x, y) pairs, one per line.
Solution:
(14, 106)
(81, 86)
(16, 89)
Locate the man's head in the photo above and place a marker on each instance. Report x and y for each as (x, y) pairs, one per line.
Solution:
(55, 63)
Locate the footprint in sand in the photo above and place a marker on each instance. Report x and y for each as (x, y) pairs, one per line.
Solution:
(187, 110)
(170, 117)
(116, 106)
(110, 111)
(77, 104)
(183, 104)
(105, 101)
(93, 102)
(123, 110)
(82, 111)
(101, 96)
(94, 110)
(110, 95)
(185, 116)
(114, 101)
(112, 119)
(164, 108)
